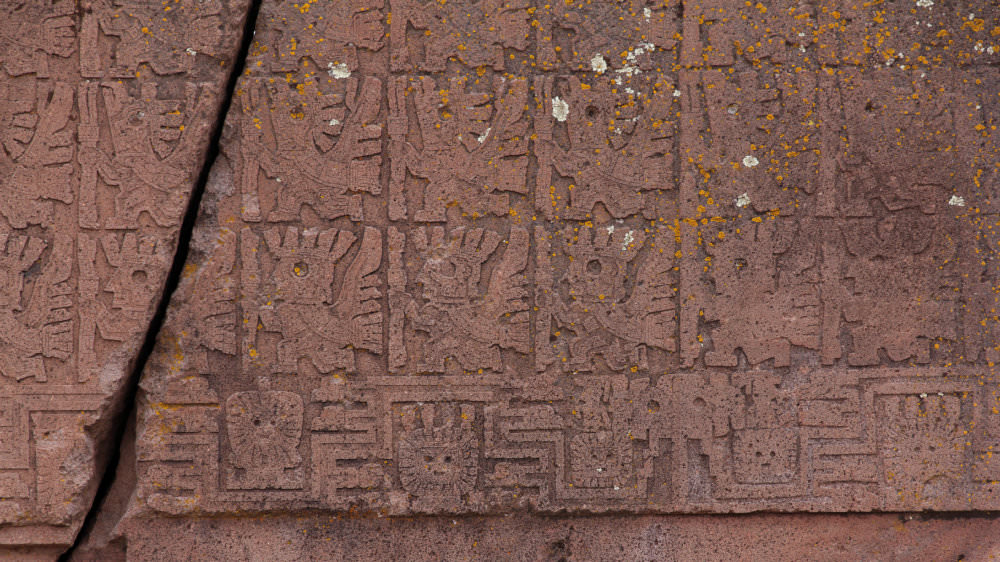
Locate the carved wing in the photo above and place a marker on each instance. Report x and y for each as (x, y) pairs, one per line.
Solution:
(506, 299)
(652, 306)
(357, 306)
(51, 307)
(214, 293)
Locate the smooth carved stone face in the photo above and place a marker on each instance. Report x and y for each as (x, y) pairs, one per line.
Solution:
(105, 113)
(465, 257)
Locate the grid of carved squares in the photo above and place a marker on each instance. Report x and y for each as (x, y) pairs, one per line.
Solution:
(478, 160)
(498, 199)
(602, 298)
(534, 227)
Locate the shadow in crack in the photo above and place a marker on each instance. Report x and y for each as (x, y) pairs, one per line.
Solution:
(123, 416)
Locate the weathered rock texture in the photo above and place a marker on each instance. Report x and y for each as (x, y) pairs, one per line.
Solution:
(639, 256)
(762, 537)
(635, 256)
(106, 109)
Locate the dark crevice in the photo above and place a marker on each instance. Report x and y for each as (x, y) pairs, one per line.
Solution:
(127, 405)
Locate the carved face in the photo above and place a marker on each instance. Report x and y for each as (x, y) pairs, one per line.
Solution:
(596, 279)
(133, 285)
(449, 279)
(264, 428)
(437, 451)
(437, 467)
(766, 456)
(300, 278)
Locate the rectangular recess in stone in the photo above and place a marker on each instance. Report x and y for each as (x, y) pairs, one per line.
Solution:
(441, 273)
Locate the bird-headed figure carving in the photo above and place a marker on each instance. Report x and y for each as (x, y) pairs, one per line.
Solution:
(608, 316)
(317, 323)
(464, 322)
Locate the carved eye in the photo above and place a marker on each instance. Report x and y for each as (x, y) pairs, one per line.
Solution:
(732, 108)
(592, 112)
(139, 276)
(594, 267)
(300, 269)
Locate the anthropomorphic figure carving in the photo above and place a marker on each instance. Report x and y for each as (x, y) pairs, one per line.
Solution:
(147, 34)
(315, 322)
(607, 317)
(617, 148)
(902, 271)
(766, 294)
(462, 322)
(474, 146)
(149, 158)
(321, 149)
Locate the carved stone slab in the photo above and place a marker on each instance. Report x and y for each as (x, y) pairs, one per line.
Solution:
(106, 108)
(636, 256)
(674, 538)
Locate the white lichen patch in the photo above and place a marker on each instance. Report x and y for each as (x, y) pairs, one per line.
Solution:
(629, 70)
(743, 200)
(334, 122)
(486, 134)
(631, 67)
(956, 201)
(560, 109)
(610, 229)
(641, 49)
(598, 64)
(677, 93)
(750, 161)
(339, 71)
(647, 13)
(191, 51)
(629, 238)
(925, 3)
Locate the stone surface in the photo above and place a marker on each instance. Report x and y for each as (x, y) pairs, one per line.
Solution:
(466, 258)
(106, 109)
(501, 257)
(763, 537)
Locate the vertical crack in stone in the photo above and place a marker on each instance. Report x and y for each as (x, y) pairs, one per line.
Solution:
(125, 410)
